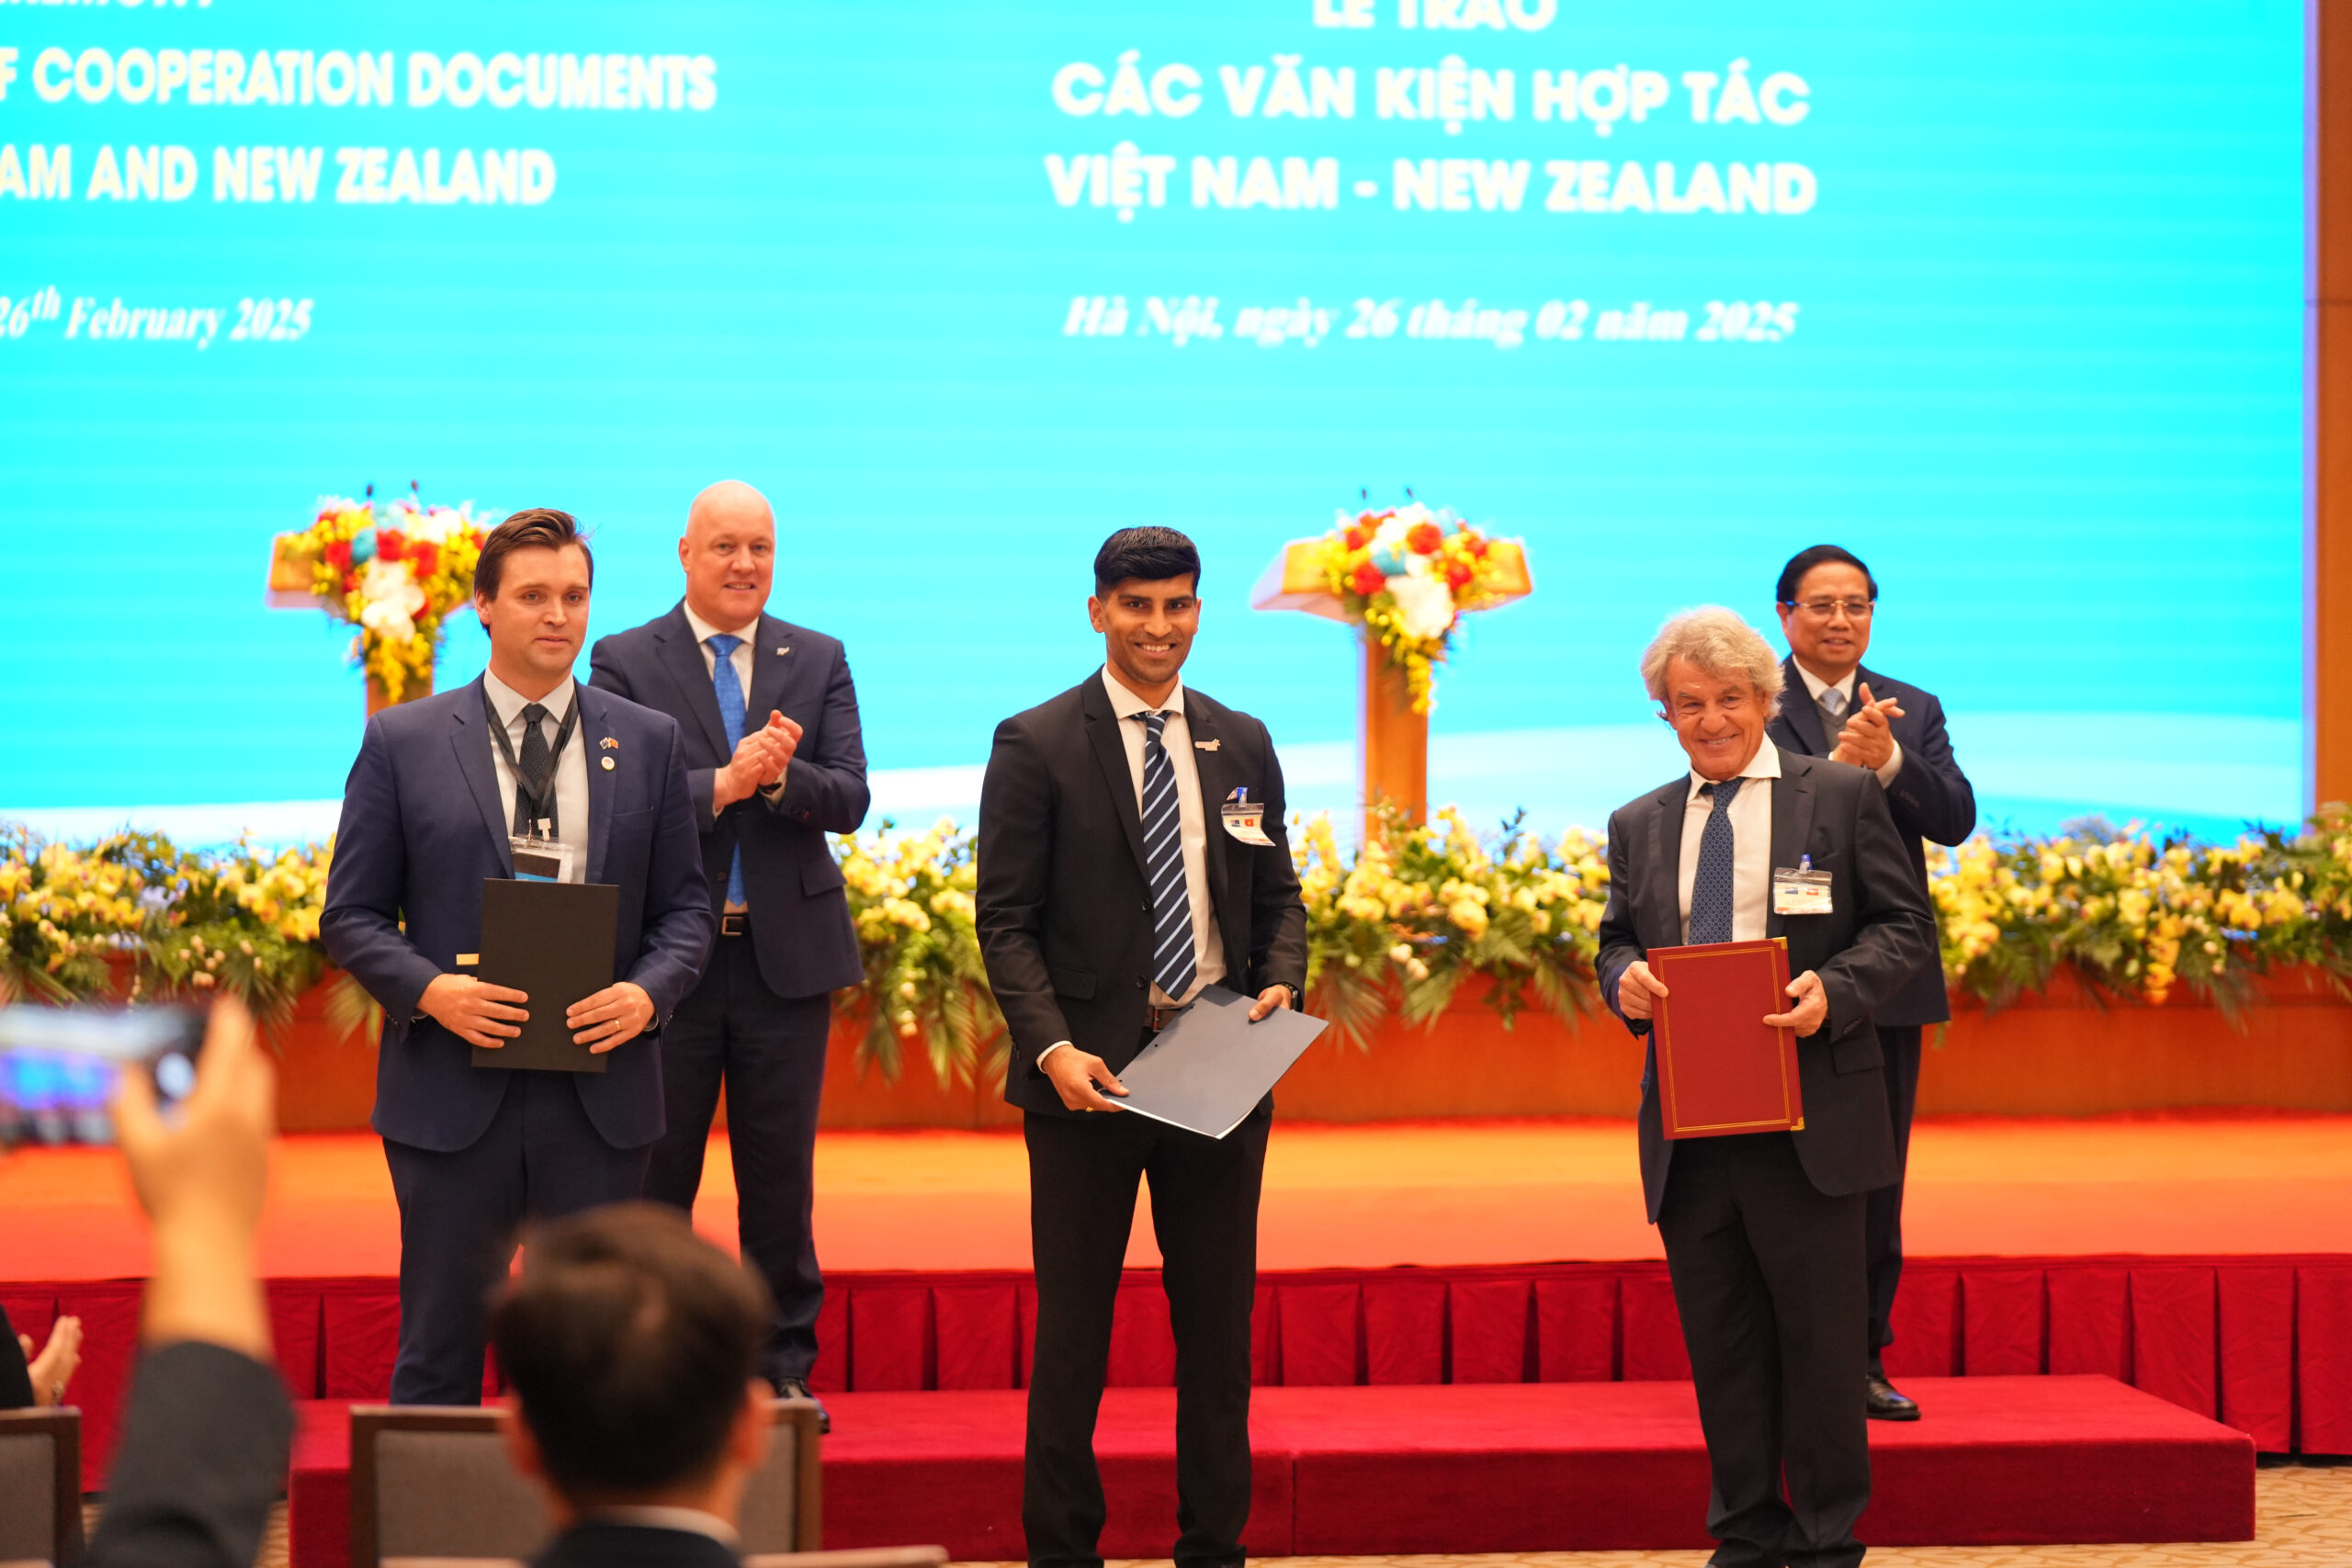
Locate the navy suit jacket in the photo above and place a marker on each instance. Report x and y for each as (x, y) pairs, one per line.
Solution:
(423, 827)
(801, 924)
(1930, 798)
(1878, 931)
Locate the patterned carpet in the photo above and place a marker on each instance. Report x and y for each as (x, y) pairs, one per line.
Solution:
(2302, 1519)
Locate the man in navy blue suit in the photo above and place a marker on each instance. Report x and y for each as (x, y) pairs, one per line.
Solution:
(1837, 709)
(774, 761)
(428, 814)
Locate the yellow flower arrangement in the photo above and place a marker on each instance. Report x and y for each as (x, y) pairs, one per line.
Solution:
(246, 923)
(1397, 926)
(64, 911)
(394, 571)
(910, 901)
(1421, 909)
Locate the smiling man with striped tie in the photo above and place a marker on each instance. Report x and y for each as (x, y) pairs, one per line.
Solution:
(1112, 889)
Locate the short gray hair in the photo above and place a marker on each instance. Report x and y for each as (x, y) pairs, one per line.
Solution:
(1720, 644)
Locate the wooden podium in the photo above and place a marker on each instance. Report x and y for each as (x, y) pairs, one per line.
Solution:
(1392, 740)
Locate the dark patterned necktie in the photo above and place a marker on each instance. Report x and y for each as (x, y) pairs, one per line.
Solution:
(531, 774)
(1173, 962)
(1711, 887)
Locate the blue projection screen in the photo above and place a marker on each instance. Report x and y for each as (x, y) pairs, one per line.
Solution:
(2005, 297)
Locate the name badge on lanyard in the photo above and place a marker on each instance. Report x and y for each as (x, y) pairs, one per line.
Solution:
(537, 854)
(1245, 818)
(1800, 889)
(538, 859)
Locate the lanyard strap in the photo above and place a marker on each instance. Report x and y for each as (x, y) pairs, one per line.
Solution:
(542, 806)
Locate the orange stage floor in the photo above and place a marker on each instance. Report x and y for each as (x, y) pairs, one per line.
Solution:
(1436, 1193)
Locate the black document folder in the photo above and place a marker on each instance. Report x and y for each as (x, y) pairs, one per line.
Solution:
(553, 941)
(1206, 1071)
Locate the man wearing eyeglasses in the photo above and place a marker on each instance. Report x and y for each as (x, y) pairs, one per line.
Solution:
(1837, 709)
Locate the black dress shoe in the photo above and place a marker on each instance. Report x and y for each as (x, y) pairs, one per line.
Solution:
(797, 1388)
(1885, 1404)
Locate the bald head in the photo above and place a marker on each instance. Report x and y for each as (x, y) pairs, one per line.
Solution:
(729, 554)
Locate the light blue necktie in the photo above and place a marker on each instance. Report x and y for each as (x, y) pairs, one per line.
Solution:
(1711, 887)
(729, 688)
(1173, 962)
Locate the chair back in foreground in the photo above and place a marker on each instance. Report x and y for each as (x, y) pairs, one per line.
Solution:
(434, 1482)
(41, 1485)
(865, 1557)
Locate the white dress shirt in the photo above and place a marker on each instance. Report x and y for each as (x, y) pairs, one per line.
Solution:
(1751, 845)
(1814, 685)
(570, 768)
(1192, 825)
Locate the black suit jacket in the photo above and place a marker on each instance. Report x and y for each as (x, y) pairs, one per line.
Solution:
(1879, 930)
(594, 1545)
(1065, 911)
(201, 1458)
(801, 924)
(1930, 798)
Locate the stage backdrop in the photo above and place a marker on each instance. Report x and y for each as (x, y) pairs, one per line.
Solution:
(2006, 297)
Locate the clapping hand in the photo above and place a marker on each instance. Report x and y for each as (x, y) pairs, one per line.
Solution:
(52, 1366)
(759, 762)
(1868, 740)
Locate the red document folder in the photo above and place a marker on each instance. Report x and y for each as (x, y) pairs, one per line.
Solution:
(1721, 1069)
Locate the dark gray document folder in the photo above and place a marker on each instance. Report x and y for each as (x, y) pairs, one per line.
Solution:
(1206, 1071)
(553, 941)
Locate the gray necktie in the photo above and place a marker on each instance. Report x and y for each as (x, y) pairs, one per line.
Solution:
(1832, 704)
(1711, 887)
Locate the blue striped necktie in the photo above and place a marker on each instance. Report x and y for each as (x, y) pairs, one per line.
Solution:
(729, 688)
(1173, 962)
(1711, 887)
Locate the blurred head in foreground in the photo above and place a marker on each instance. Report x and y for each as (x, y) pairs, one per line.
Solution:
(631, 1347)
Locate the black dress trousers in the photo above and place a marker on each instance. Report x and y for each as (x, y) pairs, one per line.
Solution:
(1083, 1176)
(541, 1158)
(1900, 1045)
(1769, 1278)
(770, 1051)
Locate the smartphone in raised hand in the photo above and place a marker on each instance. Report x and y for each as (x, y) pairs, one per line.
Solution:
(58, 1066)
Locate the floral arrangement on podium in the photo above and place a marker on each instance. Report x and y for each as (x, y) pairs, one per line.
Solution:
(1404, 576)
(392, 571)
(1408, 573)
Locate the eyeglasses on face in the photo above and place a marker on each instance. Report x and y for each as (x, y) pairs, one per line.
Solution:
(1828, 609)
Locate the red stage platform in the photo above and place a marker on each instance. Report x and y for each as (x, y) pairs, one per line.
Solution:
(1451, 1470)
(2205, 1259)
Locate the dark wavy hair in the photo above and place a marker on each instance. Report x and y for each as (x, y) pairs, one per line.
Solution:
(1146, 555)
(631, 1342)
(535, 528)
